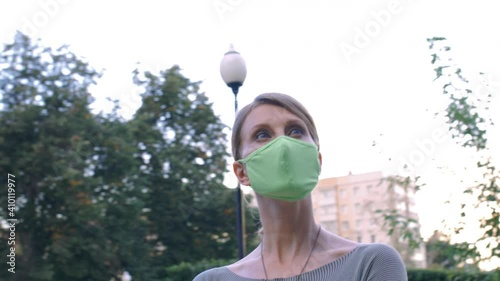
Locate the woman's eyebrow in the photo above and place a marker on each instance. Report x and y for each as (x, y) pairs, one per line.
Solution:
(257, 127)
(296, 122)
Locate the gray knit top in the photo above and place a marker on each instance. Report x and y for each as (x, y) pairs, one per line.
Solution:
(370, 262)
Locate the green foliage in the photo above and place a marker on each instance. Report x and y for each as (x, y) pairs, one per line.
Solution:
(446, 275)
(192, 214)
(401, 223)
(44, 118)
(188, 271)
(441, 254)
(396, 221)
(462, 113)
(96, 194)
(467, 117)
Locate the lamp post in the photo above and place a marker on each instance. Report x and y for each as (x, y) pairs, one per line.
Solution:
(234, 71)
(126, 276)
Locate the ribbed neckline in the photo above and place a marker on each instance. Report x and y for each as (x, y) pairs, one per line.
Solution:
(329, 266)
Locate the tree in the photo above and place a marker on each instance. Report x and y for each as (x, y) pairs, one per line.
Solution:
(96, 194)
(440, 253)
(467, 116)
(183, 150)
(402, 224)
(74, 221)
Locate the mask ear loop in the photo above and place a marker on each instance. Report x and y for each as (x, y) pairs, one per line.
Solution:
(246, 173)
(245, 167)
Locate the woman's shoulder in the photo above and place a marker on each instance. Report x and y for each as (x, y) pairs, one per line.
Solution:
(378, 250)
(342, 251)
(381, 261)
(217, 273)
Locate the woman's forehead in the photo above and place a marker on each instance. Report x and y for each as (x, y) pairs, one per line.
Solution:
(268, 114)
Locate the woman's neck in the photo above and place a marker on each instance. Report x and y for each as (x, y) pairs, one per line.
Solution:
(289, 229)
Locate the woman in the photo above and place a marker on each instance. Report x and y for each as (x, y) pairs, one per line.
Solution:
(276, 150)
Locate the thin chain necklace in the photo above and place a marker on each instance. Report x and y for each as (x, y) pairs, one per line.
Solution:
(307, 261)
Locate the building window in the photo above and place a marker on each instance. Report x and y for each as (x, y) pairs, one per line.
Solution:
(331, 225)
(359, 239)
(342, 193)
(369, 189)
(327, 193)
(344, 209)
(328, 196)
(345, 225)
(355, 191)
(357, 208)
(358, 224)
(329, 209)
(372, 237)
(369, 207)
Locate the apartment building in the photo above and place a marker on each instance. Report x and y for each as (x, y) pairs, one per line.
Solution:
(348, 206)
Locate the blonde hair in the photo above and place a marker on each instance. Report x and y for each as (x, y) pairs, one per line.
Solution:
(282, 100)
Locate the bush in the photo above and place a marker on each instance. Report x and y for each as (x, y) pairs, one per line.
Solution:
(450, 275)
(186, 271)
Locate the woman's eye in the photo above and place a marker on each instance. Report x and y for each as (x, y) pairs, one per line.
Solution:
(262, 135)
(296, 132)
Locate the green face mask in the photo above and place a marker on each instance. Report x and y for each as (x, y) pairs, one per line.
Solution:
(285, 169)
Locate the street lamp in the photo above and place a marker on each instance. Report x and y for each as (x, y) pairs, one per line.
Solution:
(126, 276)
(234, 71)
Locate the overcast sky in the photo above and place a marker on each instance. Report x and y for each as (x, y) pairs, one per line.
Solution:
(361, 67)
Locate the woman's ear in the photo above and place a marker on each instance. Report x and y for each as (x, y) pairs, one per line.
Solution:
(241, 173)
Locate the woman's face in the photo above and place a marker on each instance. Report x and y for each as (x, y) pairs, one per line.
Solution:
(266, 122)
